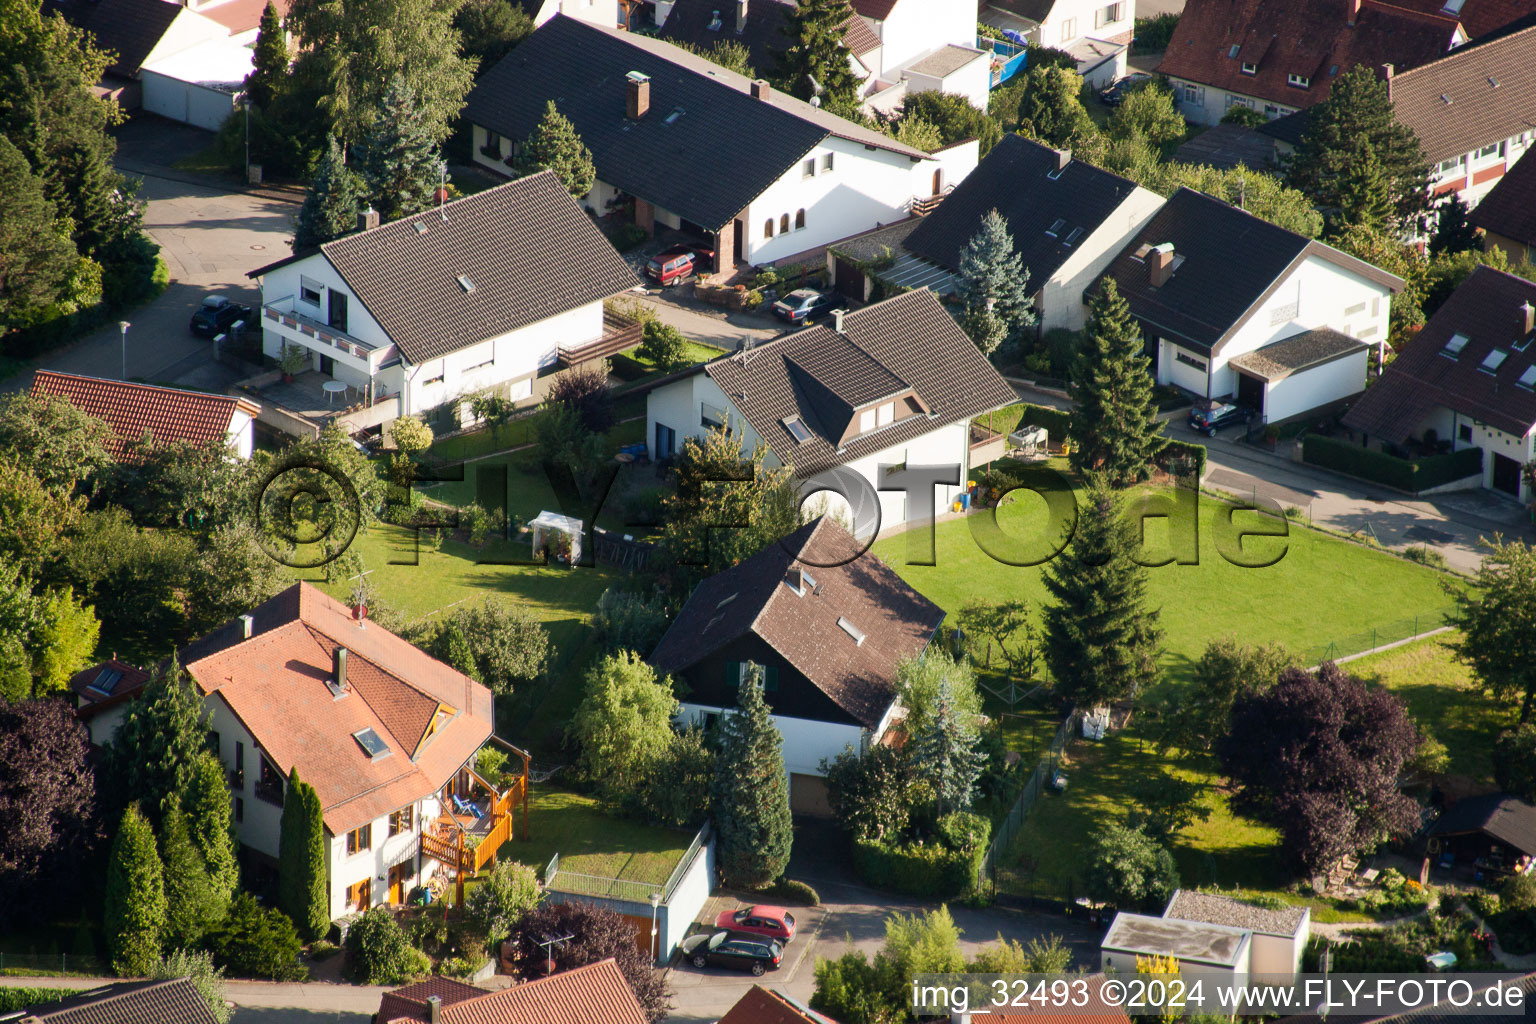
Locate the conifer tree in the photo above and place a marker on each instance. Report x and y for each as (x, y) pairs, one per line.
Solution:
(1114, 427)
(302, 891)
(210, 822)
(1101, 640)
(1050, 109)
(155, 752)
(37, 256)
(816, 51)
(330, 209)
(269, 65)
(994, 285)
(1365, 198)
(1356, 118)
(948, 754)
(1453, 233)
(398, 158)
(555, 146)
(134, 916)
(750, 793)
(189, 896)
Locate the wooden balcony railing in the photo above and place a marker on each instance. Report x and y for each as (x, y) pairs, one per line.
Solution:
(619, 333)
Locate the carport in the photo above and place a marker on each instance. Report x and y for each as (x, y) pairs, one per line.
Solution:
(1303, 372)
(198, 86)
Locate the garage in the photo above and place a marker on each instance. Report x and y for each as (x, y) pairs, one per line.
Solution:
(198, 86)
(1506, 474)
(808, 796)
(1304, 372)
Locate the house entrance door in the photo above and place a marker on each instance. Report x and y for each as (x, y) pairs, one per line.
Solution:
(328, 366)
(1506, 474)
(666, 441)
(399, 875)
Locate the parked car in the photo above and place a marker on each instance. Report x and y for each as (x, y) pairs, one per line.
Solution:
(805, 304)
(1115, 94)
(678, 263)
(216, 314)
(774, 922)
(1208, 421)
(739, 950)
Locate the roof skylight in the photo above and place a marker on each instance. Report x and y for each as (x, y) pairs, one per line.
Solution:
(372, 745)
(1074, 236)
(466, 283)
(1494, 360)
(1528, 378)
(1055, 228)
(725, 601)
(1455, 345)
(797, 429)
(851, 630)
(106, 681)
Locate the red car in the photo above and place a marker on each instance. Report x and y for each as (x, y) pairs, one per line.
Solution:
(775, 922)
(676, 264)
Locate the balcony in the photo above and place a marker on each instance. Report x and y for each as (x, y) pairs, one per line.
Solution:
(987, 445)
(270, 790)
(283, 316)
(619, 333)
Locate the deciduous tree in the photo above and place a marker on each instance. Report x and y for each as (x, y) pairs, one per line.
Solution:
(816, 61)
(53, 440)
(921, 681)
(597, 933)
(233, 573)
(134, 919)
(197, 966)
(588, 394)
(728, 504)
(502, 644)
(624, 721)
(1497, 619)
(330, 209)
(555, 146)
(870, 795)
(1114, 429)
(1006, 624)
(954, 116)
(1149, 113)
(1514, 761)
(1051, 110)
(727, 53)
(663, 345)
(1226, 671)
(1453, 233)
(509, 891)
(1166, 805)
(751, 791)
(301, 860)
(1129, 868)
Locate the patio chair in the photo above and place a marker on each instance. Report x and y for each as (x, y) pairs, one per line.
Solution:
(465, 807)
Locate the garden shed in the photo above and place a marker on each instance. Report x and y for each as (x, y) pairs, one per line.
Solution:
(1494, 833)
(560, 535)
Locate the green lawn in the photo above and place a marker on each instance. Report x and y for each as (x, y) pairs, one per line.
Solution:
(1325, 597)
(592, 842)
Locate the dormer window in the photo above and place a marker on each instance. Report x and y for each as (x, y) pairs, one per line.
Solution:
(885, 415)
(1250, 68)
(1299, 81)
(866, 421)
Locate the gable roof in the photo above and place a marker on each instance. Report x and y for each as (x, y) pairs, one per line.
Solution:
(1311, 38)
(410, 1002)
(765, 1006)
(1478, 17)
(1510, 209)
(526, 248)
(1454, 108)
(874, 10)
(133, 410)
(721, 150)
(1486, 311)
(131, 29)
(594, 994)
(909, 340)
(1502, 815)
(704, 23)
(1231, 261)
(174, 1001)
(1227, 146)
(753, 598)
(105, 685)
(1209, 908)
(1015, 180)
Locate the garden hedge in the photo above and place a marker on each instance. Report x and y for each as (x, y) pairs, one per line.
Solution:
(12, 999)
(1176, 449)
(929, 870)
(1411, 475)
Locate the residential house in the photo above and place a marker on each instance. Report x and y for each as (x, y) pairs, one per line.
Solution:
(495, 291)
(1507, 214)
(924, 45)
(594, 994)
(1279, 936)
(827, 624)
(173, 1001)
(1068, 220)
(386, 734)
(758, 174)
(1095, 32)
(165, 415)
(1497, 830)
(1280, 58)
(607, 13)
(1468, 379)
(171, 60)
(1470, 108)
(1235, 308)
(102, 694)
(888, 385)
(769, 1006)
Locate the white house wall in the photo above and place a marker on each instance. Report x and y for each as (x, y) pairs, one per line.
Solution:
(943, 446)
(260, 824)
(188, 102)
(973, 81)
(1318, 386)
(916, 27)
(806, 741)
(1208, 104)
(242, 433)
(1494, 441)
(1061, 298)
(283, 283)
(374, 864)
(1277, 954)
(186, 30)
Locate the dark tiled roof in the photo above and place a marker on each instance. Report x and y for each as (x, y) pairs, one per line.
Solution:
(1303, 351)
(526, 247)
(1505, 817)
(875, 10)
(133, 410)
(1231, 260)
(131, 29)
(703, 23)
(174, 1001)
(1014, 179)
(1510, 209)
(721, 151)
(1486, 311)
(1478, 17)
(1034, 10)
(763, 1006)
(594, 994)
(1452, 105)
(1289, 128)
(1228, 146)
(1311, 38)
(109, 683)
(911, 336)
(896, 620)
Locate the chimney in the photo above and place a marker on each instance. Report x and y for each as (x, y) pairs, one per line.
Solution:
(339, 666)
(761, 90)
(434, 1009)
(1387, 70)
(368, 219)
(248, 623)
(1354, 10)
(837, 320)
(638, 96)
(1063, 157)
(1160, 264)
(741, 16)
(1528, 317)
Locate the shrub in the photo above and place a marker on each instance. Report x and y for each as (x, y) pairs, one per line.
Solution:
(378, 952)
(964, 832)
(1424, 555)
(1412, 476)
(481, 522)
(1153, 34)
(1294, 513)
(1519, 893)
(1180, 458)
(12, 999)
(1053, 420)
(323, 949)
(257, 942)
(753, 299)
(626, 236)
(928, 870)
(586, 392)
(791, 891)
(625, 621)
(663, 345)
(508, 892)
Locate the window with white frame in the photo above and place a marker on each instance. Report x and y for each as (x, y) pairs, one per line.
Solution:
(886, 414)
(309, 290)
(826, 162)
(1239, 101)
(1192, 94)
(711, 415)
(1069, 30)
(1250, 68)
(808, 169)
(1108, 15)
(866, 421)
(1188, 360)
(1449, 166)
(1497, 149)
(1299, 81)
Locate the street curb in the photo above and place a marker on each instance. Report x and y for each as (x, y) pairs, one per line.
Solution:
(208, 182)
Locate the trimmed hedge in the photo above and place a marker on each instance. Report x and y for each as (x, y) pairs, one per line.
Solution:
(1053, 420)
(1176, 449)
(1410, 475)
(12, 999)
(929, 870)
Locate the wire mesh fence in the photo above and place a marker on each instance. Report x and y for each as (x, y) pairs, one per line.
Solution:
(1007, 829)
(52, 963)
(1365, 641)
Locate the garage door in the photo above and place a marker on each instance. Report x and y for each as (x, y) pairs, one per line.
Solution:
(808, 796)
(1506, 474)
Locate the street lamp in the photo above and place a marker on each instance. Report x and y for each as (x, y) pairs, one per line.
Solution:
(122, 326)
(655, 902)
(245, 101)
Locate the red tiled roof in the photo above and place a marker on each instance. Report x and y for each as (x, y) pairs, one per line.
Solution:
(762, 1006)
(1310, 38)
(242, 15)
(594, 994)
(876, 10)
(275, 682)
(410, 1003)
(1097, 1009)
(1510, 209)
(1478, 17)
(859, 37)
(104, 685)
(133, 410)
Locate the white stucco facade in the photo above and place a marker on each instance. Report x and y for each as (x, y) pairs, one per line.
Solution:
(806, 741)
(1061, 298)
(1208, 104)
(916, 27)
(595, 12)
(1316, 386)
(1467, 432)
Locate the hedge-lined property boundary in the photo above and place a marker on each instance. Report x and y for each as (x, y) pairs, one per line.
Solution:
(1411, 475)
(930, 870)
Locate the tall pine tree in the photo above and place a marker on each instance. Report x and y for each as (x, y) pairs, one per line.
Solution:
(269, 66)
(994, 286)
(398, 157)
(37, 256)
(210, 821)
(156, 748)
(330, 209)
(1453, 233)
(302, 891)
(554, 145)
(134, 916)
(948, 753)
(1356, 118)
(189, 896)
(816, 51)
(1101, 640)
(1365, 195)
(750, 792)
(1114, 427)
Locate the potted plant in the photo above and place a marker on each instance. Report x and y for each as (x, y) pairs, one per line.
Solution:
(294, 360)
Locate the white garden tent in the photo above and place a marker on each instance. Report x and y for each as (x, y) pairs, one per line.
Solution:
(553, 522)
